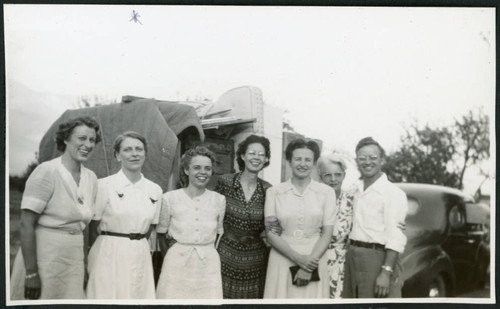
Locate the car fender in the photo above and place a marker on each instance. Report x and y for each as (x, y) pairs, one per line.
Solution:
(422, 265)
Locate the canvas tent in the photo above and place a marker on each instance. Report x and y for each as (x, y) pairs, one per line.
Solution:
(162, 123)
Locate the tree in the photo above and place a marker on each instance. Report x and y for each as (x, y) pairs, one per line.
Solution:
(19, 182)
(287, 124)
(474, 131)
(441, 155)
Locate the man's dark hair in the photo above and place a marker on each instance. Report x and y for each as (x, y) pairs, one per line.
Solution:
(370, 141)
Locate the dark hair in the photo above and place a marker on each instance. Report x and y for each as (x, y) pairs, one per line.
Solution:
(188, 156)
(370, 141)
(66, 128)
(132, 134)
(243, 146)
(302, 143)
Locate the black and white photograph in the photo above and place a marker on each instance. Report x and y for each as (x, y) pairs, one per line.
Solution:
(222, 154)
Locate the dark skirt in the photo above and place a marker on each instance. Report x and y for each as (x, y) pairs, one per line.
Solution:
(243, 268)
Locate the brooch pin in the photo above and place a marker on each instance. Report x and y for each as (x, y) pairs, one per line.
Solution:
(120, 195)
(153, 200)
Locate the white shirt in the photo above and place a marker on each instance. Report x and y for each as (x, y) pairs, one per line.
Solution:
(378, 211)
(126, 207)
(52, 192)
(192, 221)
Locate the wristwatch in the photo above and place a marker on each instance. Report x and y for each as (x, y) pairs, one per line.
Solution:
(387, 268)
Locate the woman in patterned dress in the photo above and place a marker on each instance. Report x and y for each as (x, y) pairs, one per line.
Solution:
(332, 172)
(193, 217)
(242, 251)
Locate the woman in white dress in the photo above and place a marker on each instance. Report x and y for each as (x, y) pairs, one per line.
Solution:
(126, 212)
(193, 217)
(305, 210)
(56, 206)
(332, 172)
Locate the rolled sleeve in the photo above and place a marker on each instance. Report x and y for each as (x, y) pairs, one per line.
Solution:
(39, 189)
(395, 214)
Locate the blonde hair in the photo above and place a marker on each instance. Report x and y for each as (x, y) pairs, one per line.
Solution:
(332, 159)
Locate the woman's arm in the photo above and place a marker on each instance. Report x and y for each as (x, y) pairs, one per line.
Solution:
(322, 243)
(28, 247)
(277, 242)
(305, 262)
(303, 277)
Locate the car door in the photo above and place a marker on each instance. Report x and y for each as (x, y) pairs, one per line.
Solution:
(461, 245)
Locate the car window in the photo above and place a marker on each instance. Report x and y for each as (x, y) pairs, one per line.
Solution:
(413, 206)
(456, 218)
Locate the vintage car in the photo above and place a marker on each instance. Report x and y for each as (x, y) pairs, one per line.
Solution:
(448, 242)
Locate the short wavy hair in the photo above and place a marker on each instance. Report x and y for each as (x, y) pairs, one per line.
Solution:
(332, 159)
(131, 134)
(302, 143)
(370, 141)
(243, 146)
(66, 128)
(189, 155)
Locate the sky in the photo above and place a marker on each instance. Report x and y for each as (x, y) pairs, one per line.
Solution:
(341, 73)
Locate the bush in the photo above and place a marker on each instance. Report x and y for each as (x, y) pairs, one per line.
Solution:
(19, 182)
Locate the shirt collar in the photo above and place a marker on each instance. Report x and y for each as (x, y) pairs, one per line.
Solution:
(377, 186)
(121, 180)
(66, 174)
(237, 183)
(313, 186)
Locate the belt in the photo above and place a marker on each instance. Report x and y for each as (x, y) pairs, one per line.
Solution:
(61, 230)
(241, 239)
(301, 234)
(369, 245)
(131, 236)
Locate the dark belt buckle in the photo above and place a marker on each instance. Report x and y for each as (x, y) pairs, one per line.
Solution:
(135, 236)
(246, 239)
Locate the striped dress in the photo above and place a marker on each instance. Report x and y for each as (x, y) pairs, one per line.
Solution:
(244, 263)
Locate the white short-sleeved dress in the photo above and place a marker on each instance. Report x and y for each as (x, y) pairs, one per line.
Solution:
(119, 267)
(301, 215)
(65, 208)
(191, 268)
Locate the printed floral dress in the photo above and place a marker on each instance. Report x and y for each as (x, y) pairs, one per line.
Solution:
(337, 249)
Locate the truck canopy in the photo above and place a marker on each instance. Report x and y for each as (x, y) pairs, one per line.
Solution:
(162, 123)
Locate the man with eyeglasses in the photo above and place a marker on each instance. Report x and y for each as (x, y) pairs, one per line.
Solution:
(372, 265)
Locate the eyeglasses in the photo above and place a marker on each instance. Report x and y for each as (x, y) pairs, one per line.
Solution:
(365, 158)
(258, 154)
